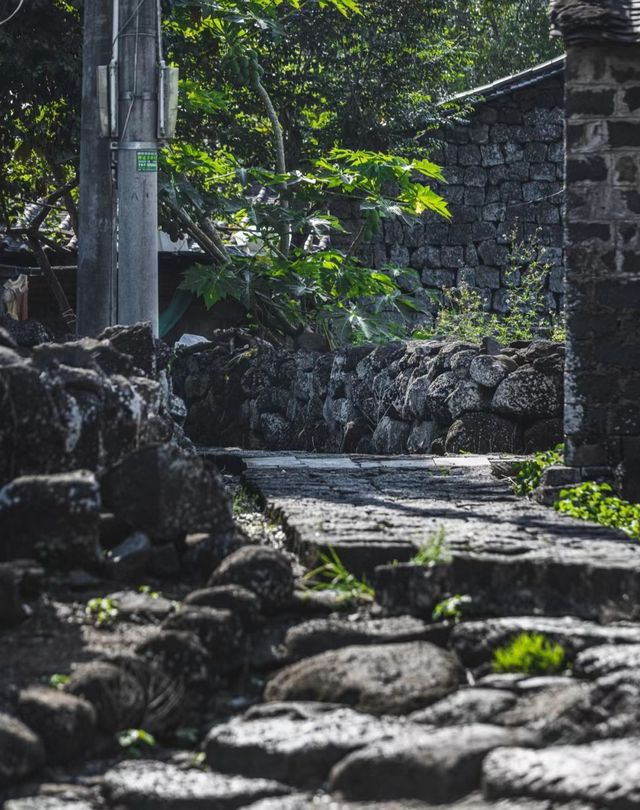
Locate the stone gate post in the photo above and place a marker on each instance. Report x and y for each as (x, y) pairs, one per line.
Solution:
(602, 238)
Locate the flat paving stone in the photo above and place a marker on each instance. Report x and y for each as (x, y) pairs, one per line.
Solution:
(152, 785)
(606, 773)
(295, 743)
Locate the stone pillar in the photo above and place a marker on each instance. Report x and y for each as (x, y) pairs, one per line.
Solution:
(602, 244)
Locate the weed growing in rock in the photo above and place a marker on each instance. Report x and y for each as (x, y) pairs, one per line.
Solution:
(58, 680)
(530, 653)
(103, 611)
(146, 589)
(244, 501)
(450, 608)
(596, 503)
(333, 576)
(463, 314)
(435, 550)
(530, 471)
(135, 740)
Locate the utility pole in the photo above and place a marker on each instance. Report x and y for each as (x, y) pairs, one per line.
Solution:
(138, 85)
(96, 215)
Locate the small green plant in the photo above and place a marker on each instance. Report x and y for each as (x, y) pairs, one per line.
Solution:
(244, 501)
(450, 608)
(103, 611)
(146, 589)
(332, 575)
(530, 471)
(598, 504)
(58, 680)
(530, 653)
(435, 550)
(135, 741)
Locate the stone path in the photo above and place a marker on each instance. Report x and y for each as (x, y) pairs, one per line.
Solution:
(513, 555)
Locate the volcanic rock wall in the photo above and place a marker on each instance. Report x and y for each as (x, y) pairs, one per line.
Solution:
(403, 397)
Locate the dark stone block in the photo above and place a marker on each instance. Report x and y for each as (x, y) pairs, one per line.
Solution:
(626, 170)
(469, 155)
(585, 232)
(623, 133)
(632, 98)
(590, 102)
(586, 168)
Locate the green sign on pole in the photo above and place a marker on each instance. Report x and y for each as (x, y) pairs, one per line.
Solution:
(147, 161)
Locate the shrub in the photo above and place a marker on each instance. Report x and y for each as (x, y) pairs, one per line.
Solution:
(530, 653)
(463, 314)
(530, 471)
(596, 503)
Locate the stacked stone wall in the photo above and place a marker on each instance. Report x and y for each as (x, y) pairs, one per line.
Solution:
(403, 397)
(505, 174)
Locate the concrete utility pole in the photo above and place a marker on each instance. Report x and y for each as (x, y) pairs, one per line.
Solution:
(96, 249)
(138, 43)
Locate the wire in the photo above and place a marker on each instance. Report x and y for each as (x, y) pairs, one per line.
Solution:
(135, 71)
(127, 21)
(13, 13)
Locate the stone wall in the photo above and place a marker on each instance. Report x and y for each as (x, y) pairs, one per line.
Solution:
(505, 173)
(403, 397)
(602, 417)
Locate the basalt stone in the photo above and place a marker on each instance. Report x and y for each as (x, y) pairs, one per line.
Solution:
(605, 773)
(435, 766)
(421, 437)
(119, 700)
(153, 785)
(390, 436)
(467, 397)
(529, 394)
(219, 631)
(295, 743)
(128, 560)
(416, 398)
(475, 641)
(607, 658)
(137, 342)
(482, 432)
(166, 492)
(65, 723)
(180, 655)
(543, 435)
(12, 611)
(262, 570)
(475, 705)
(489, 371)
(461, 362)
(437, 399)
(318, 635)
(26, 333)
(238, 600)
(21, 750)
(53, 517)
(379, 679)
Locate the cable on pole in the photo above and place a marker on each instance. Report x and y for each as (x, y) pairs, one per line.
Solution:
(13, 13)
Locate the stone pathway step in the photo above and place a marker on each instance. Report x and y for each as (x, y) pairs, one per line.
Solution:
(510, 554)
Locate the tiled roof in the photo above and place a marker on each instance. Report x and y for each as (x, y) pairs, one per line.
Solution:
(596, 20)
(518, 81)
